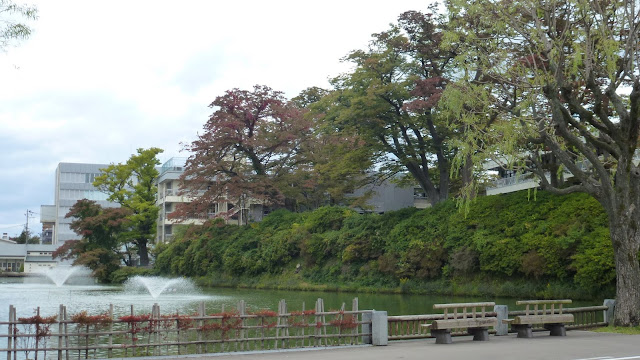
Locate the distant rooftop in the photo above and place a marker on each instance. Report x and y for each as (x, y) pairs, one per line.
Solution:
(173, 164)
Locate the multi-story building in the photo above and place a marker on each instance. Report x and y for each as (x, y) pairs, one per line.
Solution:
(73, 182)
(508, 181)
(389, 196)
(170, 196)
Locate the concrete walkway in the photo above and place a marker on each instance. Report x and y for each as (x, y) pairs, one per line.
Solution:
(577, 345)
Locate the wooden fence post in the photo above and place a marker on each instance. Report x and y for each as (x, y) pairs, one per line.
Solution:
(110, 350)
(304, 322)
(324, 322)
(155, 315)
(200, 325)
(60, 328)
(14, 320)
(356, 318)
(284, 323)
(133, 336)
(317, 331)
(9, 332)
(242, 311)
(37, 331)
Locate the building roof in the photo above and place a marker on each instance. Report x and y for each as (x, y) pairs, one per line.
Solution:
(20, 250)
(12, 250)
(39, 259)
(40, 247)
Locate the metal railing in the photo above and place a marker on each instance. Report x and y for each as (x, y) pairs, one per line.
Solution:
(513, 180)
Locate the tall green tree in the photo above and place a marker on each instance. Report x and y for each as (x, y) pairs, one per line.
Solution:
(337, 158)
(26, 238)
(133, 186)
(13, 26)
(390, 101)
(563, 80)
(102, 232)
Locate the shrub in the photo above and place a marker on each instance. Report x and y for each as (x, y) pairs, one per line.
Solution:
(464, 261)
(121, 275)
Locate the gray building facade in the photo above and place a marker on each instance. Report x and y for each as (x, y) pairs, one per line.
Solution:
(73, 182)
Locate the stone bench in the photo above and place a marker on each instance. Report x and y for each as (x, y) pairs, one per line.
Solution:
(547, 313)
(470, 316)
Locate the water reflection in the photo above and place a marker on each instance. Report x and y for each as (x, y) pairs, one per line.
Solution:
(27, 294)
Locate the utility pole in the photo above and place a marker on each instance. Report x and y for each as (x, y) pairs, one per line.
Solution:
(26, 230)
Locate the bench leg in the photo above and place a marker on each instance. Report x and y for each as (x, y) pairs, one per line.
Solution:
(556, 329)
(442, 336)
(524, 331)
(479, 334)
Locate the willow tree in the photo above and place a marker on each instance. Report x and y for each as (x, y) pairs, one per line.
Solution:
(13, 26)
(562, 79)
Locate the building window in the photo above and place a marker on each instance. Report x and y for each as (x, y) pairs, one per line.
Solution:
(90, 178)
(74, 178)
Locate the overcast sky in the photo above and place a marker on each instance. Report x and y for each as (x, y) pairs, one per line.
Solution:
(99, 79)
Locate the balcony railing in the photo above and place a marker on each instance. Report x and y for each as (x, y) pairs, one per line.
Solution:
(513, 180)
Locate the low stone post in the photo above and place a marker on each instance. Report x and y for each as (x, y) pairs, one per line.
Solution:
(502, 312)
(379, 328)
(366, 328)
(608, 314)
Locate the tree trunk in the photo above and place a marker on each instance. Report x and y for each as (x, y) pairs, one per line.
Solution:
(467, 176)
(626, 240)
(143, 252)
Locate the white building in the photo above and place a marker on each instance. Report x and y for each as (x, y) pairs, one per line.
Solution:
(73, 182)
(31, 258)
(169, 197)
(511, 181)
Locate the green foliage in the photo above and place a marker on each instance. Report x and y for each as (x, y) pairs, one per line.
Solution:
(132, 185)
(593, 261)
(388, 103)
(24, 238)
(121, 275)
(10, 28)
(326, 218)
(549, 241)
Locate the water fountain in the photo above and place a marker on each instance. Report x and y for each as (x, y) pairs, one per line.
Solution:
(60, 274)
(157, 285)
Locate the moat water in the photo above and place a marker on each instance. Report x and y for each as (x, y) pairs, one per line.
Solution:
(179, 295)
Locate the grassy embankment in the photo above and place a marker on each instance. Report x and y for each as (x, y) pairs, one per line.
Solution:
(509, 245)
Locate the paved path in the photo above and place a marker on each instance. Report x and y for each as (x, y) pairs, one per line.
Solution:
(577, 345)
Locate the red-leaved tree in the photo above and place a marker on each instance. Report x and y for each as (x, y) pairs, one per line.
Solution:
(250, 145)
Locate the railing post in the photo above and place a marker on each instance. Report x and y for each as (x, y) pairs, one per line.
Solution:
(201, 313)
(110, 350)
(13, 319)
(60, 329)
(502, 312)
(242, 311)
(10, 331)
(608, 314)
(379, 328)
(366, 328)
